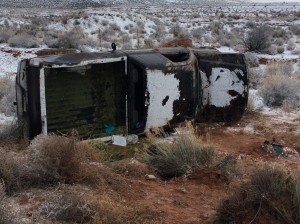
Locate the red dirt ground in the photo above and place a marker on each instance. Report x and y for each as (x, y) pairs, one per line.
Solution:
(195, 200)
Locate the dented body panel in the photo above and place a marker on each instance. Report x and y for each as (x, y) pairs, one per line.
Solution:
(133, 91)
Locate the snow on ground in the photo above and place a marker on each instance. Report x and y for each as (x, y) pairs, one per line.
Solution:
(5, 120)
(226, 50)
(9, 58)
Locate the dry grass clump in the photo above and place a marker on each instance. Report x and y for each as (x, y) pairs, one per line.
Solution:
(279, 68)
(68, 207)
(6, 216)
(130, 167)
(111, 210)
(277, 90)
(184, 157)
(7, 96)
(10, 171)
(23, 40)
(53, 159)
(270, 194)
(64, 159)
(11, 133)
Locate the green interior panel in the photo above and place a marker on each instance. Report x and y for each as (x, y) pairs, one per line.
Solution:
(90, 99)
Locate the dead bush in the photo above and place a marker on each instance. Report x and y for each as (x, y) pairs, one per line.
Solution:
(67, 206)
(251, 59)
(70, 39)
(23, 40)
(112, 210)
(58, 158)
(279, 68)
(6, 216)
(10, 171)
(6, 34)
(255, 77)
(115, 27)
(280, 50)
(148, 43)
(198, 33)
(7, 96)
(159, 31)
(130, 167)
(291, 45)
(176, 30)
(295, 29)
(11, 133)
(257, 39)
(270, 194)
(278, 89)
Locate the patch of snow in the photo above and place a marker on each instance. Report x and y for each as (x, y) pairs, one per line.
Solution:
(226, 50)
(257, 99)
(5, 120)
(10, 57)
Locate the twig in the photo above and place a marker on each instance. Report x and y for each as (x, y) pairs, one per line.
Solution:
(258, 211)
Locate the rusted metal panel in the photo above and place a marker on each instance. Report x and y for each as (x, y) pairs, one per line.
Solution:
(170, 89)
(224, 87)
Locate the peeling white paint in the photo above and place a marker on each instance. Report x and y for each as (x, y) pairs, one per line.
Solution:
(159, 86)
(215, 90)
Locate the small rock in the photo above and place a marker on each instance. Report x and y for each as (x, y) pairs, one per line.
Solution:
(150, 177)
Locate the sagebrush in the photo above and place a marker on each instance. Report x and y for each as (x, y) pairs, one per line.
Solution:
(270, 194)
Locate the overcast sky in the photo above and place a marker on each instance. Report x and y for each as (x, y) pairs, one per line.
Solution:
(274, 1)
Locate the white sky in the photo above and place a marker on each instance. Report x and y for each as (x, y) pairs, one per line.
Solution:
(274, 1)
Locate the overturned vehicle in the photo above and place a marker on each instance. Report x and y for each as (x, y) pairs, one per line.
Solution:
(130, 91)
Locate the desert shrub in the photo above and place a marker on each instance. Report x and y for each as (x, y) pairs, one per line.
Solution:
(148, 43)
(6, 216)
(250, 24)
(272, 50)
(278, 89)
(251, 59)
(108, 34)
(295, 29)
(291, 45)
(257, 39)
(279, 68)
(130, 167)
(104, 22)
(270, 194)
(180, 158)
(159, 31)
(6, 34)
(23, 40)
(198, 33)
(215, 27)
(66, 206)
(255, 77)
(7, 96)
(112, 210)
(12, 132)
(280, 32)
(115, 27)
(70, 39)
(176, 29)
(9, 171)
(58, 158)
(76, 22)
(279, 42)
(280, 50)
